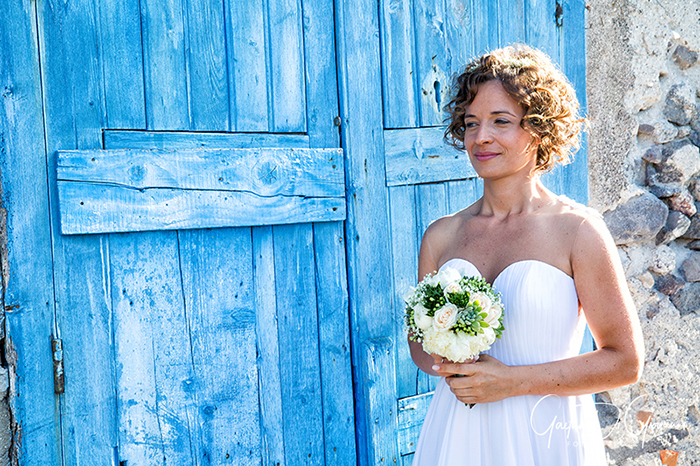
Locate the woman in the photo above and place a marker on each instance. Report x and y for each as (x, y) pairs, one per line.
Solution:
(554, 263)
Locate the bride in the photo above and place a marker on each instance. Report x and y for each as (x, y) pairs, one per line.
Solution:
(557, 269)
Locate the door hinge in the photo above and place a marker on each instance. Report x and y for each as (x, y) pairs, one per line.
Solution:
(59, 381)
(559, 15)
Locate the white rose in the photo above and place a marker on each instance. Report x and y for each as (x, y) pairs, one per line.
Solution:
(483, 300)
(489, 335)
(452, 288)
(445, 317)
(494, 313)
(421, 317)
(444, 277)
(408, 295)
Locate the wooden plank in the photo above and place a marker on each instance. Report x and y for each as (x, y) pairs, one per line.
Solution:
(248, 74)
(26, 256)
(367, 230)
(404, 240)
(379, 385)
(295, 288)
(421, 156)
(206, 65)
(485, 32)
(117, 209)
(164, 64)
(73, 77)
(286, 58)
(122, 62)
(193, 140)
(398, 70)
(264, 172)
(133, 190)
(157, 405)
(462, 194)
(321, 78)
(541, 30)
(433, 68)
(220, 300)
(460, 33)
(411, 413)
(334, 344)
(271, 416)
(511, 21)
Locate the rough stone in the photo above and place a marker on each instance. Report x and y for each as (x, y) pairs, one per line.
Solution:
(683, 202)
(647, 280)
(653, 155)
(669, 284)
(681, 162)
(679, 107)
(676, 225)
(694, 189)
(694, 245)
(687, 300)
(694, 137)
(691, 267)
(664, 132)
(645, 129)
(684, 57)
(637, 220)
(693, 231)
(683, 132)
(663, 260)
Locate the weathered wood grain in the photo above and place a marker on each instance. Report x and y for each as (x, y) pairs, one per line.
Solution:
(367, 230)
(380, 388)
(122, 62)
(432, 63)
(286, 61)
(268, 360)
(156, 402)
(207, 65)
(247, 65)
(165, 76)
(298, 333)
(411, 413)
(220, 303)
(399, 71)
(484, 19)
(134, 190)
(116, 139)
(334, 344)
(511, 21)
(26, 263)
(405, 241)
(420, 155)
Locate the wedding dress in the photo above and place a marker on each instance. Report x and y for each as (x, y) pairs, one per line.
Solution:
(542, 323)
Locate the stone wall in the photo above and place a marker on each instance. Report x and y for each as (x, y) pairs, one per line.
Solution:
(644, 165)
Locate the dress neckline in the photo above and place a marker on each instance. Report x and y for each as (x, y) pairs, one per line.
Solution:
(508, 267)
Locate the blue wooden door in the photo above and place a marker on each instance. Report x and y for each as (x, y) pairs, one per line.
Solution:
(174, 193)
(401, 176)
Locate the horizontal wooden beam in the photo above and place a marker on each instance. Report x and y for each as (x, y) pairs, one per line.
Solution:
(106, 191)
(420, 155)
(131, 139)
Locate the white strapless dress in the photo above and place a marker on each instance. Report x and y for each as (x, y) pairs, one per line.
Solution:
(542, 323)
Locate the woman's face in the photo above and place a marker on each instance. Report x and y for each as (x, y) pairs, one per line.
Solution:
(498, 146)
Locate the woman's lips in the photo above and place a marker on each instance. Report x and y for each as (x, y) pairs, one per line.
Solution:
(484, 156)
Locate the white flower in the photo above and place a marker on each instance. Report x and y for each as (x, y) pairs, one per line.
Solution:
(440, 343)
(445, 317)
(444, 277)
(408, 296)
(489, 336)
(494, 313)
(483, 299)
(453, 287)
(420, 316)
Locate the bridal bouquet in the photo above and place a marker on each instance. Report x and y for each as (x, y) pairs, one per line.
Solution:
(454, 316)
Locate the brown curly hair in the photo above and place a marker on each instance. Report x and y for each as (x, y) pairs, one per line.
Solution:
(531, 79)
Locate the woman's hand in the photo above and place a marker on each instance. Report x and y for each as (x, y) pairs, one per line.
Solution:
(483, 381)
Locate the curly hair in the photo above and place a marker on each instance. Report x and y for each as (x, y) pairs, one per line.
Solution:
(545, 94)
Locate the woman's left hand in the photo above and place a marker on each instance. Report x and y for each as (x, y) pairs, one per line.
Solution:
(483, 381)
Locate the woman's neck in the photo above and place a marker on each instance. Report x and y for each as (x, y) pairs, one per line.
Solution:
(503, 198)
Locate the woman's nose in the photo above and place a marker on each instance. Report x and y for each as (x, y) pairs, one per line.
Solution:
(483, 135)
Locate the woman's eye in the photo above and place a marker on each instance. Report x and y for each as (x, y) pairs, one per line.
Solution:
(469, 125)
(502, 121)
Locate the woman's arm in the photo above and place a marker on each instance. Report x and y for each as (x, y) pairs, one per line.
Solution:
(611, 315)
(427, 263)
